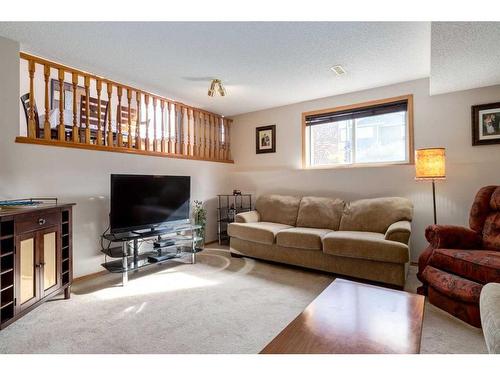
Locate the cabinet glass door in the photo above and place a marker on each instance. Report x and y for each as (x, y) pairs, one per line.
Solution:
(27, 270)
(50, 260)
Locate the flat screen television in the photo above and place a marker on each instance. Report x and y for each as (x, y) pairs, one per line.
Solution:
(141, 202)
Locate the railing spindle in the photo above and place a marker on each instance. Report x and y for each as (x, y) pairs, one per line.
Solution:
(201, 145)
(60, 129)
(205, 132)
(146, 104)
(110, 126)
(195, 133)
(217, 137)
(31, 114)
(189, 118)
(129, 120)
(228, 137)
(87, 109)
(162, 107)
(99, 112)
(155, 124)
(119, 136)
(46, 124)
(138, 141)
(75, 134)
(182, 133)
(176, 127)
(212, 137)
(168, 123)
(221, 142)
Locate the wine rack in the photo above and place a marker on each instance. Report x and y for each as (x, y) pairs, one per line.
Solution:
(7, 301)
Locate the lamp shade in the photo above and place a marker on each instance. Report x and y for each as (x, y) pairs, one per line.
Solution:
(430, 164)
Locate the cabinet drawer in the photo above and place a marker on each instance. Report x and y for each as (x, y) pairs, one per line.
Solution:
(31, 222)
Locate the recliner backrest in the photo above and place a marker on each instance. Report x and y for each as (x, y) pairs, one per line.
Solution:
(485, 216)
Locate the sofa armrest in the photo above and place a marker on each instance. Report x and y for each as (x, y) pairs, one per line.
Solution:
(247, 217)
(399, 231)
(452, 237)
(489, 301)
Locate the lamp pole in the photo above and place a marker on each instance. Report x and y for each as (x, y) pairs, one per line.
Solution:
(434, 199)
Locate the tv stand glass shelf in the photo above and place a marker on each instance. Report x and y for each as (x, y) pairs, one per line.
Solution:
(136, 250)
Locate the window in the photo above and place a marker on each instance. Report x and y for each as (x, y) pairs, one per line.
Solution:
(372, 133)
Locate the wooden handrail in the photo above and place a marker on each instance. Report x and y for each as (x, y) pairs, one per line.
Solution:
(178, 131)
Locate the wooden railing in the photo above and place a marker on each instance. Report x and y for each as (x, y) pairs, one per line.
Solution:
(83, 110)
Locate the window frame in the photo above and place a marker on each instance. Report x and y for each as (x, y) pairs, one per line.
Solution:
(409, 120)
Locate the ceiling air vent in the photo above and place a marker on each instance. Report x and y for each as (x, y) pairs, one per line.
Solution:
(338, 70)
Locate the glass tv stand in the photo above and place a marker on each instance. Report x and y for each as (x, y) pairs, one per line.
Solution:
(136, 250)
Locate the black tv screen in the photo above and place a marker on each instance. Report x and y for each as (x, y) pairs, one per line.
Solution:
(143, 201)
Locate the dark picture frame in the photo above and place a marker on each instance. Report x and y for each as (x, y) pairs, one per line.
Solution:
(485, 123)
(265, 139)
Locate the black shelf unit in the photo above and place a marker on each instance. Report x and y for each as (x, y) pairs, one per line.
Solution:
(229, 205)
(7, 260)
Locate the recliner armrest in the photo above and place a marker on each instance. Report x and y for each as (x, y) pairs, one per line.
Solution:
(247, 217)
(399, 231)
(453, 237)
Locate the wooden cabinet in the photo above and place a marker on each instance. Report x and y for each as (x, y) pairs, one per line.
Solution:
(36, 258)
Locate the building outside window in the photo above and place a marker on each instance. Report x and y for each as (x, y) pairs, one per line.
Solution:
(363, 134)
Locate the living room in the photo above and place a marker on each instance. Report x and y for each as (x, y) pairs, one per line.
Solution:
(250, 187)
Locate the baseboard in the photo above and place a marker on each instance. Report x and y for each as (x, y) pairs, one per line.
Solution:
(89, 276)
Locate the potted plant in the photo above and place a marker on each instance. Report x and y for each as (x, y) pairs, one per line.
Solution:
(200, 218)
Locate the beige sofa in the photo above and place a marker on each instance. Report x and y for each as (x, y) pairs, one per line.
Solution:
(489, 307)
(366, 239)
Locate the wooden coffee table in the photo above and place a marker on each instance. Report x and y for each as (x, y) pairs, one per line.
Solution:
(350, 317)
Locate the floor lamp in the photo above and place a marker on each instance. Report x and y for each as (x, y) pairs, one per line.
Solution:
(430, 165)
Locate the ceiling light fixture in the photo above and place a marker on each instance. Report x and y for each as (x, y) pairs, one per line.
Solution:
(338, 70)
(216, 88)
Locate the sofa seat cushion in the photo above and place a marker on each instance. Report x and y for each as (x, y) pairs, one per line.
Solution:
(452, 286)
(261, 232)
(481, 266)
(365, 245)
(301, 238)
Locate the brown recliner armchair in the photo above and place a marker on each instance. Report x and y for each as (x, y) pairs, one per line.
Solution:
(459, 261)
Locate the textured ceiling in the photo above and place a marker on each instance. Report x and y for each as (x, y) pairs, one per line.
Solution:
(263, 65)
(464, 55)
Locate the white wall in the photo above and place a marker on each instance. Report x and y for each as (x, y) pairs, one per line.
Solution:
(441, 120)
(82, 176)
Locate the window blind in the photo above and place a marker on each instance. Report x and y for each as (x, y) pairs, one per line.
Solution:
(351, 114)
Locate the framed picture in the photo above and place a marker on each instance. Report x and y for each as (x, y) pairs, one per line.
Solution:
(486, 124)
(265, 139)
(68, 95)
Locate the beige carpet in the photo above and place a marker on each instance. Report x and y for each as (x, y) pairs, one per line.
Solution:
(219, 305)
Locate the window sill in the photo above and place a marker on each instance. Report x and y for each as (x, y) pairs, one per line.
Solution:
(355, 166)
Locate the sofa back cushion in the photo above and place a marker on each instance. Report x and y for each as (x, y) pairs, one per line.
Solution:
(278, 208)
(375, 215)
(318, 212)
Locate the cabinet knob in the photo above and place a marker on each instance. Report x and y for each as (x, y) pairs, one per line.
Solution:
(41, 221)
